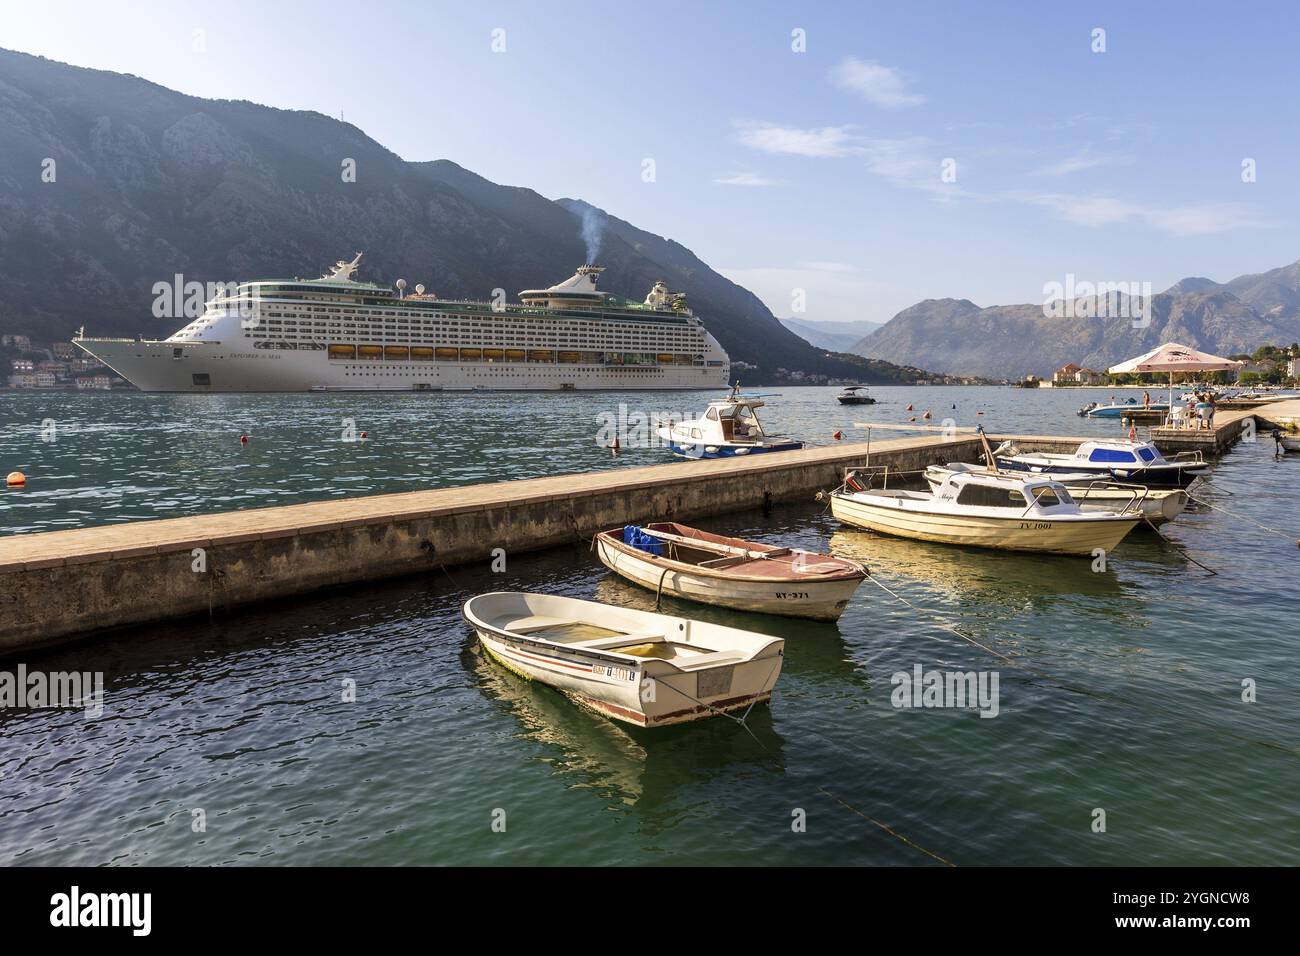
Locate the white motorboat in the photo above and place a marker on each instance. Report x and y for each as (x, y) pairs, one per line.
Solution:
(1092, 493)
(1136, 462)
(684, 562)
(635, 666)
(1131, 408)
(728, 428)
(856, 395)
(988, 510)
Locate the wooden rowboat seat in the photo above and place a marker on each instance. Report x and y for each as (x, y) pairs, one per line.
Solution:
(536, 622)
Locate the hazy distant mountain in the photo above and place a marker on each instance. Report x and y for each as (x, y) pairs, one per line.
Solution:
(1193, 284)
(1009, 341)
(835, 336)
(148, 183)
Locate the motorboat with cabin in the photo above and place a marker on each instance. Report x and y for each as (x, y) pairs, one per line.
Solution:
(684, 562)
(1136, 462)
(988, 509)
(1129, 408)
(728, 428)
(1091, 493)
(638, 667)
(855, 395)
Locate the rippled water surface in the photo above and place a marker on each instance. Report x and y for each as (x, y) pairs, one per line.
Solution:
(1119, 690)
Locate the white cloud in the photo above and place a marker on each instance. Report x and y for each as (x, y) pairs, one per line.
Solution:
(1203, 219)
(744, 179)
(914, 162)
(1191, 219)
(823, 265)
(879, 85)
(826, 141)
(1082, 160)
(832, 291)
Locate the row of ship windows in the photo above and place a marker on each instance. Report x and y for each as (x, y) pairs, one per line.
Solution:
(392, 353)
(495, 319)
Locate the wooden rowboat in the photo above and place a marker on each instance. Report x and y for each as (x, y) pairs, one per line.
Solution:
(685, 562)
(635, 666)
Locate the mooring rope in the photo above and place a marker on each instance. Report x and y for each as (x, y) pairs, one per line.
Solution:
(742, 721)
(1051, 681)
(1233, 514)
(1173, 544)
(943, 623)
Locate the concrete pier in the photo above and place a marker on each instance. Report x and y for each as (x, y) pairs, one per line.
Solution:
(59, 586)
(1229, 427)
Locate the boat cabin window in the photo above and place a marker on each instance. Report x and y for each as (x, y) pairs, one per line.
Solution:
(985, 496)
(711, 414)
(1049, 497)
(1111, 455)
(1147, 454)
(746, 422)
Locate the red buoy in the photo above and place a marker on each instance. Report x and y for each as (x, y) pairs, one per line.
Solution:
(838, 435)
(243, 439)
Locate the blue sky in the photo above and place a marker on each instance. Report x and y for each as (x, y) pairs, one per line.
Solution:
(819, 170)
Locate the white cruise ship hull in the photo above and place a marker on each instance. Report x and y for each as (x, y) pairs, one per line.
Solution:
(198, 366)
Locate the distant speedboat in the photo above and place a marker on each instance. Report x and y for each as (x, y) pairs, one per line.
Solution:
(986, 510)
(687, 563)
(855, 395)
(1138, 462)
(1093, 493)
(635, 666)
(728, 428)
(1128, 409)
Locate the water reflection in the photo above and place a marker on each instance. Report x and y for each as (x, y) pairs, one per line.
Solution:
(1009, 578)
(635, 767)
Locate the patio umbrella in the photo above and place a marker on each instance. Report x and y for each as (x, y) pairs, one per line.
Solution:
(1172, 357)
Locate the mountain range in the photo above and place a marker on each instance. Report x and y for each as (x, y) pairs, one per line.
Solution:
(1011, 341)
(110, 184)
(835, 336)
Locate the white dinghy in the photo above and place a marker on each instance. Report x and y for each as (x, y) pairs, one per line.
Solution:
(684, 562)
(635, 666)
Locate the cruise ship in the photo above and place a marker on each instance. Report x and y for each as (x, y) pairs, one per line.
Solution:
(339, 334)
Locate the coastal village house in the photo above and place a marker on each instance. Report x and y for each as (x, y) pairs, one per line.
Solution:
(1065, 374)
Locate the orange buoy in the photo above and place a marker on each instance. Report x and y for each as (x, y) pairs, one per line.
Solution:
(16, 479)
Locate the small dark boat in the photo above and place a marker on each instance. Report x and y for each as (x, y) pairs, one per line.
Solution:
(856, 395)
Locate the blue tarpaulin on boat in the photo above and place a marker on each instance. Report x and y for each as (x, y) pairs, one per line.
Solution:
(634, 536)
